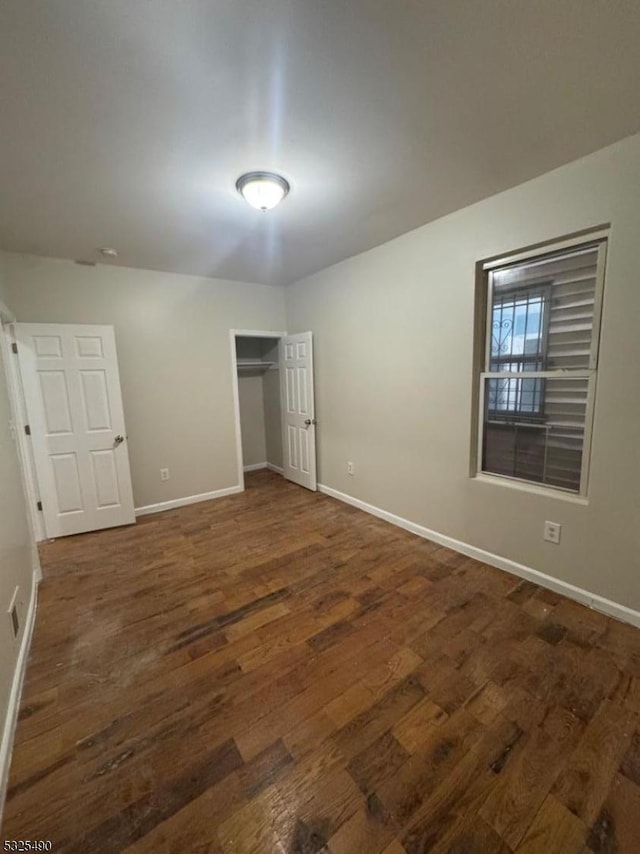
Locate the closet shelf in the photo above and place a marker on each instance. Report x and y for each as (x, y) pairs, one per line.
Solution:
(254, 364)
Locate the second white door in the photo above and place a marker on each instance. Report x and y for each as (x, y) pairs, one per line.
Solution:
(298, 409)
(72, 394)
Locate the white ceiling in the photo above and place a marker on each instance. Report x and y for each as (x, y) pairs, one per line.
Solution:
(126, 122)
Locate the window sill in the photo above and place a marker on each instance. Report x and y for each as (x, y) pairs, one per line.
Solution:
(531, 488)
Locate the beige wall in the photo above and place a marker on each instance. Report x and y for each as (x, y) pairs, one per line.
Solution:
(172, 335)
(3, 277)
(393, 360)
(272, 415)
(16, 558)
(272, 408)
(260, 417)
(251, 400)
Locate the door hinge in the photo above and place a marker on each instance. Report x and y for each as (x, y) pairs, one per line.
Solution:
(27, 429)
(14, 347)
(39, 505)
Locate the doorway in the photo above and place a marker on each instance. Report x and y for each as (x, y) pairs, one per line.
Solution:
(272, 376)
(258, 401)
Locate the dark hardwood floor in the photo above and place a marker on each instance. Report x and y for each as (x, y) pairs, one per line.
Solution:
(278, 672)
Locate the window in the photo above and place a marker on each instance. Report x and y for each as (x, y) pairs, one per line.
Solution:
(538, 379)
(518, 341)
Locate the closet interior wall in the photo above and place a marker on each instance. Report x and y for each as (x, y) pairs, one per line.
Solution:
(259, 399)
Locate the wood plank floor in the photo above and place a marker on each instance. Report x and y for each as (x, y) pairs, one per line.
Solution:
(279, 672)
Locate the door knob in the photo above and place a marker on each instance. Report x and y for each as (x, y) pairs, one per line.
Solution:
(118, 440)
(310, 421)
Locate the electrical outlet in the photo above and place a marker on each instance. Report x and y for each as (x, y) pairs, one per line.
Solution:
(552, 532)
(350, 468)
(164, 474)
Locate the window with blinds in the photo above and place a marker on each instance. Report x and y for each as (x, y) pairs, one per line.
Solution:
(538, 380)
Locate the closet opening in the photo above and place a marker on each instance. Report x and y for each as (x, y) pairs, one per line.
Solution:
(255, 359)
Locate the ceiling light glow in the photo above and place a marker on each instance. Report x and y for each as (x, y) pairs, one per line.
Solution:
(262, 190)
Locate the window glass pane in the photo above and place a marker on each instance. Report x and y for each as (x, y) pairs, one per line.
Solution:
(515, 397)
(544, 308)
(517, 326)
(545, 449)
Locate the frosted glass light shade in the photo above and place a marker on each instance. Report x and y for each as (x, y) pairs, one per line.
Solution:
(262, 190)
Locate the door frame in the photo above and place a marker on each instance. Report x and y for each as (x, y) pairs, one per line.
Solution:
(19, 419)
(233, 334)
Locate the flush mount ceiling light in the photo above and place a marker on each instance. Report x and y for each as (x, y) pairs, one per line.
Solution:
(262, 190)
(108, 252)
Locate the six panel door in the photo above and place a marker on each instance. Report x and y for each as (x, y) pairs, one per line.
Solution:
(298, 409)
(74, 404)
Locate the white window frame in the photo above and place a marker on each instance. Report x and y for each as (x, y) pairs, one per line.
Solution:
(585, 243)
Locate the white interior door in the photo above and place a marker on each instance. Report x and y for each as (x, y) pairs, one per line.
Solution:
(72, 394)
(298, 409)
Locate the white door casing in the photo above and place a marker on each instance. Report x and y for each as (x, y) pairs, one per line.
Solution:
(298, 409)
(74, 404)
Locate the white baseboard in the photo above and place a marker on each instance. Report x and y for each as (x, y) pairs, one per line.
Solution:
(276, 469)
(9, 728)
(585, 597)
(183, 502)
(255, 467)
(35, 562)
